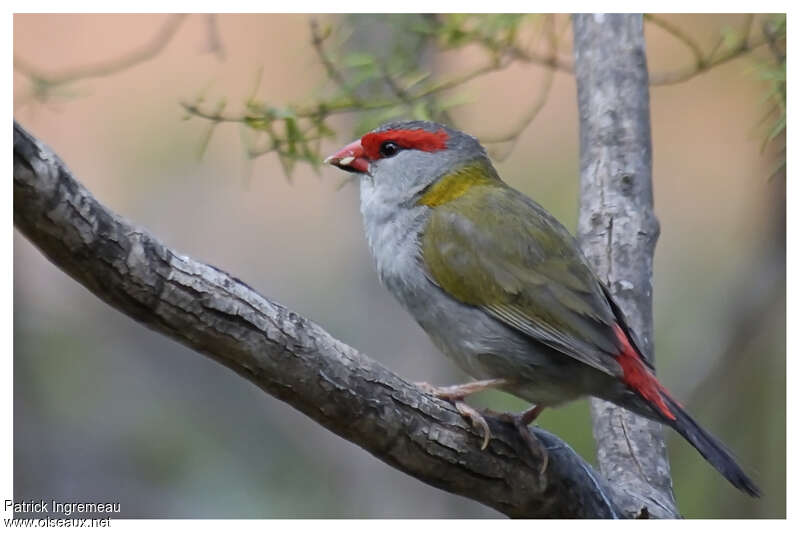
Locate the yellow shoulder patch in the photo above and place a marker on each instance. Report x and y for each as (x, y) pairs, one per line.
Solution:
(456, 184)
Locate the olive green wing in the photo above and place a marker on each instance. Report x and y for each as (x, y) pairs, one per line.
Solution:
(494, 248)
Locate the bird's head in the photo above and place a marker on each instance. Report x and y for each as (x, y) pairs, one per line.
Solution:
(401, 161)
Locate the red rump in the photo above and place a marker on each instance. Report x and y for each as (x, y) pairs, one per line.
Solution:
(416, 139)
(638, 377)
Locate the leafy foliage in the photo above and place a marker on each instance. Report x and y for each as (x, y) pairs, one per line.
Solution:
(375, 77)
(381, 67)
(773, 71)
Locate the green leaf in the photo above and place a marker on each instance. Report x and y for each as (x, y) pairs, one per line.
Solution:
(358, 59)
(777, 128)
(257, 123)
(292, 135)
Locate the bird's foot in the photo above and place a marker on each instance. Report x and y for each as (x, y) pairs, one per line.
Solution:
(521, 421)
(456, 395)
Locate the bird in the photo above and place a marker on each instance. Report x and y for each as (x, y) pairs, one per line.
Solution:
(500, 286)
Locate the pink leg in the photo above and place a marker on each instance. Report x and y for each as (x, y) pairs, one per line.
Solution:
(459, 392)
(456, 395)
(521, 421)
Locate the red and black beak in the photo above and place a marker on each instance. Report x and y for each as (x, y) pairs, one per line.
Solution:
(350, 158)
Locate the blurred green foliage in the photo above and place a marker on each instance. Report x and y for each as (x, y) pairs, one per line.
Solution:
(773, 71)
(390, 82)
(393, 76)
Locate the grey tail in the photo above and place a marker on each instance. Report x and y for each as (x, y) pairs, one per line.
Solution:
(710, 448)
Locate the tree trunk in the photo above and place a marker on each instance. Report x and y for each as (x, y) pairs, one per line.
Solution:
(618, 232)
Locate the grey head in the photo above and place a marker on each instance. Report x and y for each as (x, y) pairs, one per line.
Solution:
(398, 160)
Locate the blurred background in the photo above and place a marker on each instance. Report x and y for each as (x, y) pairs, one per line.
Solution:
(106, 410)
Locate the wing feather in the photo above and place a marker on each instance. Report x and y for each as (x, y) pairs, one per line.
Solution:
(496, 249)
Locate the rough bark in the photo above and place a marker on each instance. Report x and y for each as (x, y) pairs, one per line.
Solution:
(618, 232)
(291, 357)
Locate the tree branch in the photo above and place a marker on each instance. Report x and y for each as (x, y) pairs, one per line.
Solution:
(618, 232)
(291, 357)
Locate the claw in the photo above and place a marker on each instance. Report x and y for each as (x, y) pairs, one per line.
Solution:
(521, 421)
(477, 420)
(535, 446)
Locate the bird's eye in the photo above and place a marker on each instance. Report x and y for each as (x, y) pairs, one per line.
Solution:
(389, 148)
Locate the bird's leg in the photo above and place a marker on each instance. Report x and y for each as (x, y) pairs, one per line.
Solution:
(459, 392)
(529, 415)
(456, 395)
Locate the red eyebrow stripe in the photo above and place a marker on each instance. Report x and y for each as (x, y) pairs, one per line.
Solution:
(416, 139)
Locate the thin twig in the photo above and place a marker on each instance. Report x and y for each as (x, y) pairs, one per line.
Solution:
(514, 51)
(553, 62)
(703, 62)
(108, 67)
(214, 42)
(347, 105)
(747, 26)
(678, 76)
(769, 32)
(541, 99)
(317, 40)
(679, 34)
(462, 79)
(390, 82)
(217, 115)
